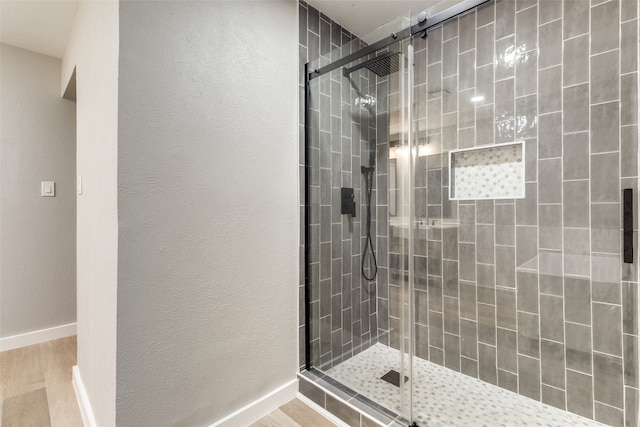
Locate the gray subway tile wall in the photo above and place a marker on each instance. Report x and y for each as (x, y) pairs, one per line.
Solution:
(344, 307)
(528, 294)
(539, 293)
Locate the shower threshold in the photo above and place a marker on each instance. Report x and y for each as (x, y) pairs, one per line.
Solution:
(443, 397)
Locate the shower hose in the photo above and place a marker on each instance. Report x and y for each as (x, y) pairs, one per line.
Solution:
(368, 244)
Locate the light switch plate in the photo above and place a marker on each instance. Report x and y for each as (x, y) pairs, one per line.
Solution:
(48, 189)
(79, 185)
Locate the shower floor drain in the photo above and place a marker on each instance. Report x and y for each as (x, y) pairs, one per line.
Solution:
(393, 377)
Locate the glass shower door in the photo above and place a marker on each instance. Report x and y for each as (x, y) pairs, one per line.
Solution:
(524, 164)
(402, 221)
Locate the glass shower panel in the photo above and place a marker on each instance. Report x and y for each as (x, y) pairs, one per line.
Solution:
(359, 299)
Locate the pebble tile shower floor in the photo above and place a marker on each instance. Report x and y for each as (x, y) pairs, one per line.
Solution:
(443, 397)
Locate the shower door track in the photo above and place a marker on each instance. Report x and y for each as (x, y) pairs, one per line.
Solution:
(413, 30)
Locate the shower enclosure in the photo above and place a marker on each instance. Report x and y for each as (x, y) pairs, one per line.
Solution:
(471, 212)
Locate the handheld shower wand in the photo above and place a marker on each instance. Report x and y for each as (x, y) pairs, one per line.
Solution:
(368, 252)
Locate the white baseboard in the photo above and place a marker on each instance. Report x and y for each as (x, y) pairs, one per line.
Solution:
(88, 419)
(261, 407)
(37, 337)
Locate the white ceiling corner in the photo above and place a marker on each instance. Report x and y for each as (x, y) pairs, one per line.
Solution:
(42, 26)
(360, 17)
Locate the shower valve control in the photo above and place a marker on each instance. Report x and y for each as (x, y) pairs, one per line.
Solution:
(348, 205)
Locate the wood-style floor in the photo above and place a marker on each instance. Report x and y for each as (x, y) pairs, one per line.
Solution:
(36, 391)
(293, 414)
(35, 386)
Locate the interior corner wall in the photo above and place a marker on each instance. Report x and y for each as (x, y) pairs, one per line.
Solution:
(208, 218)
(93, 51)
(37, 238)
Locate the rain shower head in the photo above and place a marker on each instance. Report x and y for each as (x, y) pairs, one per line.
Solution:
(385, 65)
(381, 65)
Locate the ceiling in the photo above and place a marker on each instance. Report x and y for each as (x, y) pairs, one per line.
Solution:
(360, 17)
(41, 26)
(44, 26)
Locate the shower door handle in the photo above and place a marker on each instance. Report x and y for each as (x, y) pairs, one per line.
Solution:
(627, 225)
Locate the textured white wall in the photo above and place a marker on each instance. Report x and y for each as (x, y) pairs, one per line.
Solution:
(93, 50)
(37, 234)
(208, 237)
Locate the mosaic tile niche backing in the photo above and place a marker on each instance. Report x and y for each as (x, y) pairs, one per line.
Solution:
(487, 173)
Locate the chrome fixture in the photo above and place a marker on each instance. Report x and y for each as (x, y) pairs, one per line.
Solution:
(366, 101)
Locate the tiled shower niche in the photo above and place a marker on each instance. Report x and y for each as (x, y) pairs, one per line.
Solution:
(493, 172)
(526, 291)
